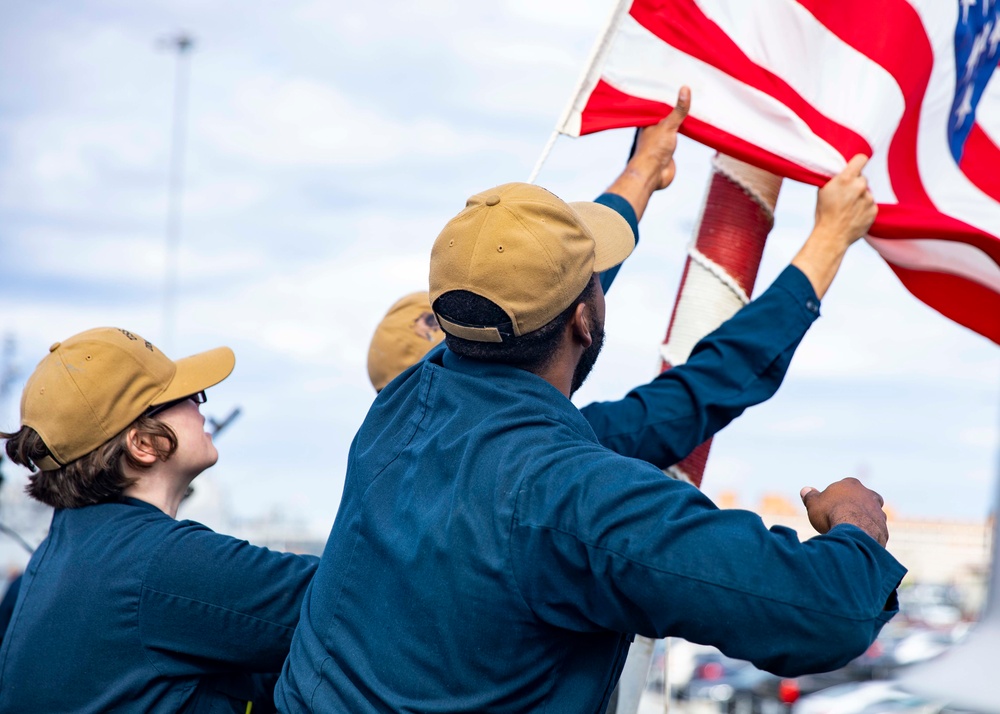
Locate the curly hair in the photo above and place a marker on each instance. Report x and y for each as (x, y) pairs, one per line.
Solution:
(97, 477)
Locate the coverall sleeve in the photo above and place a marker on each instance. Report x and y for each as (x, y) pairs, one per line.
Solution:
(625, 210)
(605, 543)
(211, 601)
(740, 364)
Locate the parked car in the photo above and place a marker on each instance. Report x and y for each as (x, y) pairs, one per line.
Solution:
(757, 692)
(768, 694)
(852, 698)
(736, 687)
(883, 697)
(895, 648)
(921, 645)
(712, 675)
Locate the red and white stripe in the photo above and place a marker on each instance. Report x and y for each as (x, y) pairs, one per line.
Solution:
(797, 87)
(721, 269)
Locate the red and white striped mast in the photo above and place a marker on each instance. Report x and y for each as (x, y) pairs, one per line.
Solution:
(721, 268)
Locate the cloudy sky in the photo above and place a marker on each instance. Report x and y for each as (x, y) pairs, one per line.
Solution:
(328, 142)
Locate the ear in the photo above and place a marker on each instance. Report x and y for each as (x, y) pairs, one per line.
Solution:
(141, 448)
(581, 327)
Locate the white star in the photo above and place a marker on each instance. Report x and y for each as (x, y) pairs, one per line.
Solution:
(978, 47)
(965, 108)
(994, 38)
(966, 4)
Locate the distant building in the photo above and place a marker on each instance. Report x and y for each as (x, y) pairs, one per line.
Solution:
(935, 552)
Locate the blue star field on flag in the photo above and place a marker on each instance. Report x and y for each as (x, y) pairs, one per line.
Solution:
(977, 51)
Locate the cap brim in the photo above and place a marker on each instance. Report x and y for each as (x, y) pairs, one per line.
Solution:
(198, 372)
(612, 234)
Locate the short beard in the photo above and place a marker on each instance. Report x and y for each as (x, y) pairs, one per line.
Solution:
(589, 356)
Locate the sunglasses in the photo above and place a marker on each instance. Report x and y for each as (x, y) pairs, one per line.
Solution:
(197, 398)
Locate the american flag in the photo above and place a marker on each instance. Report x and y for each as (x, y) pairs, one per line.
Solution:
(797, 87)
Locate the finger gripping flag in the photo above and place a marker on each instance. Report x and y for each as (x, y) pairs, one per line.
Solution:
(798, 87)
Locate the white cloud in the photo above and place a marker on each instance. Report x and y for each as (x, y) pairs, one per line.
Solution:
(294, 121)
(584, 18)
(804, 425)
(987, 437)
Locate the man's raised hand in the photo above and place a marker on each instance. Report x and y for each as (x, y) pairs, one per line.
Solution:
(845, 210)
(844, 206)
(651, 167)
(654, 150)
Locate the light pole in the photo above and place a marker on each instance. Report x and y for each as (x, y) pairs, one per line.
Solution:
(8, 375)
(182, 43)
(8, 370)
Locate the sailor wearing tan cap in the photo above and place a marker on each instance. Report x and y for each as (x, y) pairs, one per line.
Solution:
(407, 332)
(491, 554)
(122, 607)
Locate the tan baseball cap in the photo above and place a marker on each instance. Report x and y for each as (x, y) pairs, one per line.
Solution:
(90, 387)
(402, 338)
(526, 250)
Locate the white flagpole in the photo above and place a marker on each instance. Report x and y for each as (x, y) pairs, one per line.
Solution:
(586, 82)
(545, 155)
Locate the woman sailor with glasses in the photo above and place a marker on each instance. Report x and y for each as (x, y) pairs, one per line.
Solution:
(123, 607)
